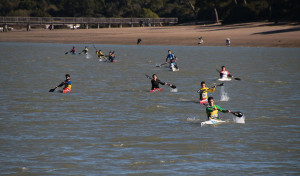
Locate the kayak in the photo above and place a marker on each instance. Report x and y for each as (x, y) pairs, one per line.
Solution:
(212, 122)
(203, 101)
(174, 68)
(224, 79)
(156, 90)
(66, 90)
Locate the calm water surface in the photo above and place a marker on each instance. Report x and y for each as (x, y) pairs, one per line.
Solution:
(110, 124)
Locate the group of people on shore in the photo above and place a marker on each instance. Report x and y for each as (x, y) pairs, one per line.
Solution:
(211, 108)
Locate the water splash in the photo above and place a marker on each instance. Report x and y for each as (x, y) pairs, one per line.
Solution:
(239, 119)
(224, 96)
(173, 90)
(87, 56)
(192, 119)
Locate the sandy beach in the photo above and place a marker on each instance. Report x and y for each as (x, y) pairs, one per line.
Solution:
(259, 34)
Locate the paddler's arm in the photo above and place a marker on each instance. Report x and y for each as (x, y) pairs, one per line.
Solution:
(211, 89)
(61, 84)
(162, 83)
(167, 59)
(229, 75)
(222, 110)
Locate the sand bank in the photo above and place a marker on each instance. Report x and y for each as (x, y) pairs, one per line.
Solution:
(259, 34)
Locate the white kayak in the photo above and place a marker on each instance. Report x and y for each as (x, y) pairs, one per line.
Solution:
(174, 68)
(224, 79)
(212, 122)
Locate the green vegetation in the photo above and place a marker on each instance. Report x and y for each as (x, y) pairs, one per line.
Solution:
(229, 11)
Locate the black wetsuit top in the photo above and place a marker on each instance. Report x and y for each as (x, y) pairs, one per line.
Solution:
(155, 84)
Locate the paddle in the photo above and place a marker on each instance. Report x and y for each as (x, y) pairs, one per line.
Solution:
(170, 85)
(230, 76)
(94, 47)
(67, 52)
(52, 90)
(161, 64)
(237, 113)
(222, 84)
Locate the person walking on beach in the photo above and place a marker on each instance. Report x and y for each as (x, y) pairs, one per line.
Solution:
(212, 109)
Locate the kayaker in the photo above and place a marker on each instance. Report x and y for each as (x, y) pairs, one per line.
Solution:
(172, 59)
(111, 56)
(203, 92)
(99, 53)
(85, 50)
(224, 73)
(212, 109)
(67, 83)
(73, 50)
(155, 82)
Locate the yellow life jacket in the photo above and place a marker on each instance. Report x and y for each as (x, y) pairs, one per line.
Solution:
(203, 92)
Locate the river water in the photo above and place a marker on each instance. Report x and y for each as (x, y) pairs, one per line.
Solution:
(110, 124)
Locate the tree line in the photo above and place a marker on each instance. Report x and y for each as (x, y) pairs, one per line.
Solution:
(227, 11)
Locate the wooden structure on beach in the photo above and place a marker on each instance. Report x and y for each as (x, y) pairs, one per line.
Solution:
(53, 21)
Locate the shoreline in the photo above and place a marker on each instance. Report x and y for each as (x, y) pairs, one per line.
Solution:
(257, 34)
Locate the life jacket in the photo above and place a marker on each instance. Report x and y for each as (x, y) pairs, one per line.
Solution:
(203, 93)
(171, 57)
(68, 84)
(213, 114)
(224, 74)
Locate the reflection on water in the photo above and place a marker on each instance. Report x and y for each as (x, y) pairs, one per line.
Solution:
(111, 124)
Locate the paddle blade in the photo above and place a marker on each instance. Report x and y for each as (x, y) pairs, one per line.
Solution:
(66, 52)
(148, 76)
(237, 79)
(238, 114)
(52, 90)
(172, 86)
(222, 84)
